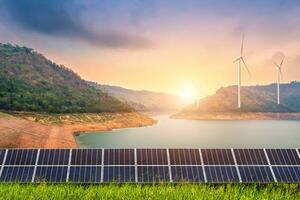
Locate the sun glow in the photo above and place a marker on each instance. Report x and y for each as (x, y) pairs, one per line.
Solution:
(189, 94)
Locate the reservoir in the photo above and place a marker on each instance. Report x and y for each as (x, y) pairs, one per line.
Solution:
(180, 133)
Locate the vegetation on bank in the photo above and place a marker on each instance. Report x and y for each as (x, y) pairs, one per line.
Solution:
(30, 82)
(81, 118)
(160, 191)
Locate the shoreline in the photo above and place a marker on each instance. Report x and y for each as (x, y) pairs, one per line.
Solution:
(224, 116)
(26, 130)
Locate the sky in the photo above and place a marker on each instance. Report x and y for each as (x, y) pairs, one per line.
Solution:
(183, 47)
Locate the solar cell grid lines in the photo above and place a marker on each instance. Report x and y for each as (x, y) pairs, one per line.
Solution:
(86, 157)
(217, 157)
(192, 174)
(54, 157)
(86, 174)
(283, 156)
(119, 157)
(184, 157)
(2, 154)
(254, 174)
(250, 157)
(150, 165)
(21, 157)
(287, 174)
(152, 157)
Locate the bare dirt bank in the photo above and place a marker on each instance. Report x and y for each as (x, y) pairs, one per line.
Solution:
(27, 130)
(237, 116)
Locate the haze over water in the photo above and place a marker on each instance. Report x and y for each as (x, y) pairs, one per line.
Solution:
(179, 133)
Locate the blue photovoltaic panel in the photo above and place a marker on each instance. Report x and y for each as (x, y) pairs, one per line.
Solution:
(152, 157)
(221, 174)
(184, 157)
(21, 157)
(250, 157)
(283, 156)
(2, 153)
(286, 174)
(86, 157)
(259, 174)
(119, 174)
(86, 174)
(187, 174)
(217, 157)
(118, 157)
(54, 157)
(150, 174)
(51, 174)
(17, 174)
(150, 165)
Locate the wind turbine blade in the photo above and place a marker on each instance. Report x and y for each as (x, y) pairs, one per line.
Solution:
(246, 66)
(282, 61)
(276, 65)
(236, 59)
(242, 46)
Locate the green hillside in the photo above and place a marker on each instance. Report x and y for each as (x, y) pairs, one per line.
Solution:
(254, 99)
(30, 82)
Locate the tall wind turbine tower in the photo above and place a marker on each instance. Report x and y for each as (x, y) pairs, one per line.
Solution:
(279, 74)
(240, 61)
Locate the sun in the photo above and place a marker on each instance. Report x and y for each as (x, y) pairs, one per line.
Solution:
(189, 94)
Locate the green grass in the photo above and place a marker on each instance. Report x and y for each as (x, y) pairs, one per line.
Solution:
(160, 191)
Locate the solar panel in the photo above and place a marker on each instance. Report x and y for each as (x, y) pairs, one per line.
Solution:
(86, 174)
(86, 157)
(53, 174)
(17, 174)
(152, 157)
(54, 157)
(119, 174)
(184, 157)
(187, 174)
(118, 157)
(283, 156)
(2, 154)
(150, 174)
(289, 174)
(221, 174)
(250, 157)
(21, 157)
(150, 165)
(256, 174)
(217, 157)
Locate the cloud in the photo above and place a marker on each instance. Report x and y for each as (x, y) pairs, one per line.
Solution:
(63, 18)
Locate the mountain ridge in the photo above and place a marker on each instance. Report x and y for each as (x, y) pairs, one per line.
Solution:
(31, 82)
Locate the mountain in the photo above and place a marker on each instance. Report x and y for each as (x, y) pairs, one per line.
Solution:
(260, 98)
(144, 100)
(30, 82)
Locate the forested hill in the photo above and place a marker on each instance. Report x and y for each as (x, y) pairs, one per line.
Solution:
(30, 82)
(254, 99)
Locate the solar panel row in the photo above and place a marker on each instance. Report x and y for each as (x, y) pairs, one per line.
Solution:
(149, 174)
(150, 157)
(150, 165)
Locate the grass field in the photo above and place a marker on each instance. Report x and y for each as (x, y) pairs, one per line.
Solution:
(160, 191)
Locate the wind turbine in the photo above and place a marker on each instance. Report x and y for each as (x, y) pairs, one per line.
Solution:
(240, 61)
(279, 74)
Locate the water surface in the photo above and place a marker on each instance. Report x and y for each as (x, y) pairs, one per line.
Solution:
(179, 133)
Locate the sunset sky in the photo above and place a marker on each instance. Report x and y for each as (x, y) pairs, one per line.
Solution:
(172, 46)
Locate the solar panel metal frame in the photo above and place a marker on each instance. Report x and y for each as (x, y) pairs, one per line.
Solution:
(167, 164)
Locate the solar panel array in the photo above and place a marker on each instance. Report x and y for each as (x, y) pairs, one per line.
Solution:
(150, 165)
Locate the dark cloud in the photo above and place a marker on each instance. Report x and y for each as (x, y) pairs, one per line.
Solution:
(63, 18)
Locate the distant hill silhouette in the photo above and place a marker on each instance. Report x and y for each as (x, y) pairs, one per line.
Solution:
(260, 98)
(144, 100)
(30, 82)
